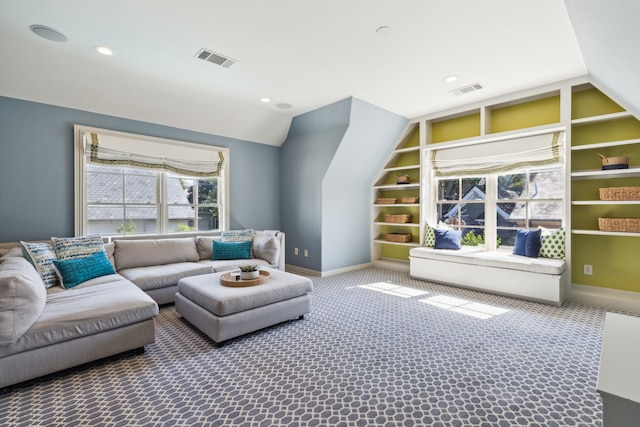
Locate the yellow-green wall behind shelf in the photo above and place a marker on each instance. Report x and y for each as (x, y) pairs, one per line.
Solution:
(538, 112)
(395, 252)
(592, 102)
(614, 260)
(412, 139)
(456, 128)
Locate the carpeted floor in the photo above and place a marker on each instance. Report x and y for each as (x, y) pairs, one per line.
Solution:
(378, 349)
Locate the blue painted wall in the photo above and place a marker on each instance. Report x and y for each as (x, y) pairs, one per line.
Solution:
(36, 170)
(329, 162)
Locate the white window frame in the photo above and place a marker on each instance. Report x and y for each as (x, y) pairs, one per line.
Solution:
(80, 179)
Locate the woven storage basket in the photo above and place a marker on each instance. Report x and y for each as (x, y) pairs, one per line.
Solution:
(397, 218)
(614, 162)
(402, 179)
(386, 201)
(628, 225)
(620, 193)
(410, 199)
(398, 237)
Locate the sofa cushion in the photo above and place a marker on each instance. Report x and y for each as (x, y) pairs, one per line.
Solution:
(144, 253)
(41, 256)
(266, 248)
(72, 272)
(86, 310)
(160, 276)
(77, 247)
(204, 244)
(13, 252)
(22, 298)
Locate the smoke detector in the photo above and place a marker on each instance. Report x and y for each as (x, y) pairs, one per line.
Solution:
(216, 58)
(466, 89)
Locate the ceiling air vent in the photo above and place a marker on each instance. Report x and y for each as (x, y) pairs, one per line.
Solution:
(466, 89)
(216, 58)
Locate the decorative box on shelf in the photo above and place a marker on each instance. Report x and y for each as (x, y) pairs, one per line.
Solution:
(620, 193)
(609, 163)
(398, 237)
(409, 200)
(625, 225)
(386, 200)
(403, 179)
(397, 218)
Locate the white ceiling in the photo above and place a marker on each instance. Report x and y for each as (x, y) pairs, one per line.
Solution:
(305, 53)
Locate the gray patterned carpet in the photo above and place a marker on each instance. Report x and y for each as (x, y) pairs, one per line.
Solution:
(378, 349)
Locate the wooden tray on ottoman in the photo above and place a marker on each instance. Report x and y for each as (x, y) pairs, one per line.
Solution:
(229, 279)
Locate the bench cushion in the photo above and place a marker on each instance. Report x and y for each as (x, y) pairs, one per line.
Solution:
(207, 292)
(498, 259)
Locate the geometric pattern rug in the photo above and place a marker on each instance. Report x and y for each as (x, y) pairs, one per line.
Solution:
(377, 349)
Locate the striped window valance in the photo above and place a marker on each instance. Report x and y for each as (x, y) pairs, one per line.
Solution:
(189, 159)
(499, 156)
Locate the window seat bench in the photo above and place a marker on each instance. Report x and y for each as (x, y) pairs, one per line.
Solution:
(500, 272)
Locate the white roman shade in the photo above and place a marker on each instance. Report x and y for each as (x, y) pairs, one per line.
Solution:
(499, 156)
(197, 160)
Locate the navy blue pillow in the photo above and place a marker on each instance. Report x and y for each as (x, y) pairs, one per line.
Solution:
(447, 238)
(528, 243)
(534, 242)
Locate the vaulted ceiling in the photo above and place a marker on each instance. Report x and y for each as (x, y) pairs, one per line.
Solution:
(305, 54)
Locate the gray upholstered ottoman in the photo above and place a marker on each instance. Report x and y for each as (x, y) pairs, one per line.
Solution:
(223, 312)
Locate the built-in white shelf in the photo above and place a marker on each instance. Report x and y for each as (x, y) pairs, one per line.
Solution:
(605, 233)
(386, 242)
(404, 224)
(396, 187)
(401, 168)
(604, 144)
(605, 202)
(611, 173)
(601, 118)
(396, 205)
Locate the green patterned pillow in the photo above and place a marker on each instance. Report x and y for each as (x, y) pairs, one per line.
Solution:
(429, 236)
(552, 243)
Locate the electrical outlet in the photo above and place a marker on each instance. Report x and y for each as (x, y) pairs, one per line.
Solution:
(588, 269)
(306, 253)
(295, 251)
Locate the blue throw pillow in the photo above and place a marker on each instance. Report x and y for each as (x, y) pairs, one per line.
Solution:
(72, 272)
(232, 250)
(448, 238)
(528, 243)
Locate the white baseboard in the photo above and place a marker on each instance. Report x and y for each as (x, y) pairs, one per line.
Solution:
(308, 272)
(603, 297)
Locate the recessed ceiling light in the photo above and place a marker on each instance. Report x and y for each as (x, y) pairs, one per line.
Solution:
(451, 79)
(104, 50)
(383, 31)
(48, 33)
(284, 105)
(265, 100)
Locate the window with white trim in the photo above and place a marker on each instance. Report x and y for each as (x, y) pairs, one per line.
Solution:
(490, 190)
(133, 184)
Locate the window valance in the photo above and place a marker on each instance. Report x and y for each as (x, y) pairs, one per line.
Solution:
(184, 159)
(499, 156)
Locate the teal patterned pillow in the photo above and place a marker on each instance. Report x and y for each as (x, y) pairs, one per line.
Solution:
(77, 247)
(552, 244)
(41, 256)
(238, 236)
(72, 272)
(231, 250)
(429, 236)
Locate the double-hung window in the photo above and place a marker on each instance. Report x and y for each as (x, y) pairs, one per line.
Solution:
(490, 190)
(132, 184)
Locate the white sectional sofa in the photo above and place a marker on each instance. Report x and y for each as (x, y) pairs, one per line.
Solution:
(537, 279)
(44, 330)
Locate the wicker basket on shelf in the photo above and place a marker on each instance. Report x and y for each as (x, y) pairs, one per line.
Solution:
(620, 193)
(397, 218)
(409, 200)
(620, 162)
(386, 201)
(398, 237)
(403, 179)
(626, 225)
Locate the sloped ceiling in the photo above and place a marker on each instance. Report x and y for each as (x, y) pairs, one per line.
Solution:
(303, 53)
(609, 36)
